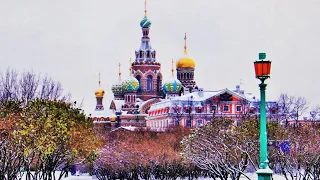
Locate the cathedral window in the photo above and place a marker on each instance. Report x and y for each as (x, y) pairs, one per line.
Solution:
(238, 108)
(149, 83)
(158, 83)
(225, 108)
(138, 77)
(148, 54)
(213, 108)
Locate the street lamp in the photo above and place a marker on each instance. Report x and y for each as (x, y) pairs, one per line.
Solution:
(262, 69)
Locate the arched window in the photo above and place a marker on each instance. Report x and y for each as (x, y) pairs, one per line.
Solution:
(148, 54)
(149, 83)
(158, 83)
(139, 79)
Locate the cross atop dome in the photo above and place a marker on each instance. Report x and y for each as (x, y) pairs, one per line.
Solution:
(185, 44)
(145, 7)
(172, 68)
(145, 53)
(119, 71)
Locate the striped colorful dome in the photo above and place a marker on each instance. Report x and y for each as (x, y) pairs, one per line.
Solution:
(117, 87)
(145, 22)
(173, 85)
(130, 84)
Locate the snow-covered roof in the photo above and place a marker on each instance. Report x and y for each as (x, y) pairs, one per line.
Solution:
(197, 97)
(130, 128)
(102, 113)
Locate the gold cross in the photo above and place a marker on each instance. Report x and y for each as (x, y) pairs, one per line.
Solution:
(172, 70)
(130, 66)
(99, 79)
(185, 43)
(145, 7)
(119, 70)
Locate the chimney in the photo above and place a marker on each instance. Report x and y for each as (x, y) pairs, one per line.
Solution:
(237, 88)
(200, 92)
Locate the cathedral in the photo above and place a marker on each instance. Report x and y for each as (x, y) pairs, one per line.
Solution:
(144, 100)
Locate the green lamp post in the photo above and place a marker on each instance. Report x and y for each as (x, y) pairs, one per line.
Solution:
(262, 69)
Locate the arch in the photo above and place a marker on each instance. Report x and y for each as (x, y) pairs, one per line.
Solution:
(126, 106)
(138, 77)
(149, 82)
(132, 106)
(159, 74)
(158, 83)
(138, 72)
(149, 72)
(146, 106)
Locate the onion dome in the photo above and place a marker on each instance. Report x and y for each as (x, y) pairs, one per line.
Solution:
(185, 62)
(113, 118)
(117, 87)
(99, 92)
(172, 85)
(145, 22)
(130, 84)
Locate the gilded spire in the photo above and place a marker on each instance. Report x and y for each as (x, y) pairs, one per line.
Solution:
(119, 72)
(172, 69)
(185, 44)
(99, 80)
(130, 69)
(145, 7)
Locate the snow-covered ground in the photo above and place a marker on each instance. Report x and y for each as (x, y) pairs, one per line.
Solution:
(252, 176)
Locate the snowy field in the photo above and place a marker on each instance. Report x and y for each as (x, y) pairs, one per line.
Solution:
(252, 176)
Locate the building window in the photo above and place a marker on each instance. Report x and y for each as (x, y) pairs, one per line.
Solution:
(158, 83)
(139, 80)
(225, 108)
(213, 108)
(149, 83)
(238, 108)
(199, 110)
(199, 122)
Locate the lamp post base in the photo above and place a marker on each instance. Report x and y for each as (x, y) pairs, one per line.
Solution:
(264, 174)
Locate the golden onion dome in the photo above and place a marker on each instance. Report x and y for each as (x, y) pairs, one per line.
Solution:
(99, 93)
(186, 63)
(113, 118)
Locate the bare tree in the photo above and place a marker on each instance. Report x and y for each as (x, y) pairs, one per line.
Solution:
(177, 113)
(28, 83)
(299, 107)
(50, 89)
(28, 86)
(223, 153)
(9, 85)
(285, 104)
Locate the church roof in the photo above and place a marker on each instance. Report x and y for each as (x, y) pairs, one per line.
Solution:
(102, 113)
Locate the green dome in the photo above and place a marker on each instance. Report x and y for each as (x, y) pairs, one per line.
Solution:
(173, 85)
(145, 22)
(130, 84)
(117, 87)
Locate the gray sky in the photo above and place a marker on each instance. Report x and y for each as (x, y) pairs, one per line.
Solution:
(73, 40)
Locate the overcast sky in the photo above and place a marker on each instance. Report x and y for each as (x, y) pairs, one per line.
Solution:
(74, 40)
